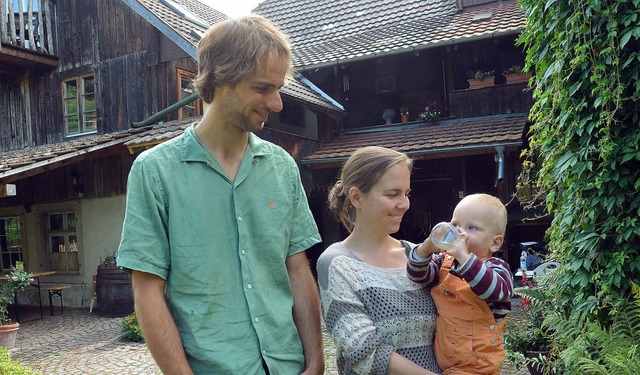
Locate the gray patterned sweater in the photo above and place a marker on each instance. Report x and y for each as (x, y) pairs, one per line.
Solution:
(371, 312)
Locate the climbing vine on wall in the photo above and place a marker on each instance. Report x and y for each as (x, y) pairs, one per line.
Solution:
(585, 143)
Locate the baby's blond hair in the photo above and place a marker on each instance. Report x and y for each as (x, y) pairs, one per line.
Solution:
(498, 208)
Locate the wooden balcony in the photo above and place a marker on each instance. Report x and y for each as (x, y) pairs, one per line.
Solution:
(27, 34)
(491, 100)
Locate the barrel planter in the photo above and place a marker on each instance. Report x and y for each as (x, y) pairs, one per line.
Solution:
(114, 291)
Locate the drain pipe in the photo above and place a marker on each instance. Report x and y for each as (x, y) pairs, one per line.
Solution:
(499, 157)
(173, 107)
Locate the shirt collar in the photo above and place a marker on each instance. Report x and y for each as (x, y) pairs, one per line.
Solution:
(193, 150)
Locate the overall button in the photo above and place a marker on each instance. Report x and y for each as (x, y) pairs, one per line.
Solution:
(493, 341)
(492, 328)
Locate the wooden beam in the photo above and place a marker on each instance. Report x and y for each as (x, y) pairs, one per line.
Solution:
(7, 190)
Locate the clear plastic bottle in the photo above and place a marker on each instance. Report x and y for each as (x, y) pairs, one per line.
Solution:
(444, 235)
(523, 260)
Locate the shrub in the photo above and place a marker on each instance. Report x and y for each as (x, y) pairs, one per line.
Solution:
(10, 367)
(131, 329)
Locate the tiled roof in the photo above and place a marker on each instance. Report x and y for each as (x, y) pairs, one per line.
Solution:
(325, 32)
(438, 137)
(190, 32)
(187, 29)
(15, 163)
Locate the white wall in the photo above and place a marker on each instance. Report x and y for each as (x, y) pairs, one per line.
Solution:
(98, 228)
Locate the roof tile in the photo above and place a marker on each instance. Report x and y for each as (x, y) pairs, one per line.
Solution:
(446, 135)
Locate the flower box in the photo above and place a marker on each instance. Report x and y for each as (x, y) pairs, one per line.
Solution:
(517, 77)
(478, 83)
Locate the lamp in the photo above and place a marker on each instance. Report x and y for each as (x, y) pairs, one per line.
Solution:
(76, 182)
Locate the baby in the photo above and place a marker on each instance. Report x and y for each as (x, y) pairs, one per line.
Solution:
(472, 289)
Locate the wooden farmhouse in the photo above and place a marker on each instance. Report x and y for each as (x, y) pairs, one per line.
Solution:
(452, 68)
(85, 86)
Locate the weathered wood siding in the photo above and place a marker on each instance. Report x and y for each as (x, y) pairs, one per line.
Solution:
(103, 176)
(100, 37)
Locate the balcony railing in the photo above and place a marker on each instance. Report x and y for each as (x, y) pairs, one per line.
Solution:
(29, 26)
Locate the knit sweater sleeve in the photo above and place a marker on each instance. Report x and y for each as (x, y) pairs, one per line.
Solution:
(424, 270)
(347, 319)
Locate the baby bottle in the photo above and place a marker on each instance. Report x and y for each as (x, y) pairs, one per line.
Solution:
(444, 235)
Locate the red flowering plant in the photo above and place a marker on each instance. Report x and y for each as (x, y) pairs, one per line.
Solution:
(13, 282)
(528, 333)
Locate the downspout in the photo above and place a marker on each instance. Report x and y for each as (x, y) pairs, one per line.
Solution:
(170, 109)
(500, 161)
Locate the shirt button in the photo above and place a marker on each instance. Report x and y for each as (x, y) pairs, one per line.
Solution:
(239, 218)
(242, 252)
(249, 286)
(264, 352)
(492, 328)
(256, 320)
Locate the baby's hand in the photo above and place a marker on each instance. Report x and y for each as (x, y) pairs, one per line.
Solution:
(460, 251)
(427, 248)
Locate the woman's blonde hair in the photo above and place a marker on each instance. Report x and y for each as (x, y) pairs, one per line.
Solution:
(236, 49)
(362, 170)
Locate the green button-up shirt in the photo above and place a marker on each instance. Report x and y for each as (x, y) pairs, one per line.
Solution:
(221, 246)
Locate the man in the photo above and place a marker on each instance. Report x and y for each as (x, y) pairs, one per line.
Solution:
(217, 224)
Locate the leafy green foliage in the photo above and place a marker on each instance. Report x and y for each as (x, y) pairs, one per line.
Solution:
(593, 348)
(585, 145)
(131, 328)
(17, 280)
(10, 367)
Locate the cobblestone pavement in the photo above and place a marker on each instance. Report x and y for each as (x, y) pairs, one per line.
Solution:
(79, 343)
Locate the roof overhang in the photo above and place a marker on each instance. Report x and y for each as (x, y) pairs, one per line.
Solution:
(439, 139)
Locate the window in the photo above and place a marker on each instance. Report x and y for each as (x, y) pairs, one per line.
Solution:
(385, 84)
(61, 242)
(185, 88)
(79, 102)
(10, 242)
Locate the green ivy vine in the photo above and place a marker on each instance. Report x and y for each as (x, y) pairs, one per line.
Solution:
(585, 144)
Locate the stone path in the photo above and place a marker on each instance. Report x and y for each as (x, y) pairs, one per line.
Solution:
(79, 343)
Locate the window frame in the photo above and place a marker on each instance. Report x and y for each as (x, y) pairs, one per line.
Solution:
(84, 116)
(196, 104)
(69, 248)
(20, 252)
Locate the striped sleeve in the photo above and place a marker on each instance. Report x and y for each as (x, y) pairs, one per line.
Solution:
(490, 280)
(424, 270)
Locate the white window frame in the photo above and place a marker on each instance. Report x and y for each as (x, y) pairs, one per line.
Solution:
(87, 118)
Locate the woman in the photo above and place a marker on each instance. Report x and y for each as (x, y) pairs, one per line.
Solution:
(380, 321)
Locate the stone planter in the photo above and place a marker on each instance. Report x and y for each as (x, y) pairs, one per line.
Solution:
(8, 334)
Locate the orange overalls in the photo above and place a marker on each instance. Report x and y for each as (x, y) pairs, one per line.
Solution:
(468, 339)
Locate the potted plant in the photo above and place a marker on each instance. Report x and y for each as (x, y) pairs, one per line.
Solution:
(528, 340)
(479, 78)
(15, 281)
(433, 110)
(404, 114)
(514, 74)
(388, 114)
